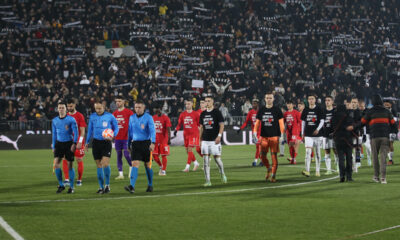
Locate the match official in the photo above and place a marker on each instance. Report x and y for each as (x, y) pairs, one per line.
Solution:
(142, 137)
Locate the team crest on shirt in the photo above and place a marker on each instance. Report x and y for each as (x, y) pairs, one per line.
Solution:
(105, 124)
(66, 127)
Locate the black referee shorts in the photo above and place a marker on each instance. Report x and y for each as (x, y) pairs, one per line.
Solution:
(101, 148)
(63, 150)
(140, 151)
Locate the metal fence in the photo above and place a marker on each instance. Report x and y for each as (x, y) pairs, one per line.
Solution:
(46, 124)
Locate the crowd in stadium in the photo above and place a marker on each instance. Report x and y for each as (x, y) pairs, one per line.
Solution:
(236, 50)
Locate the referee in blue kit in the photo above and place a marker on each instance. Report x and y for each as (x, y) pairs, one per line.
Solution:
(141, 136)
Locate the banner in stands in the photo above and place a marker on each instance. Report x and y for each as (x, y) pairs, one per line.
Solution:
(22, 140)
(127, 51)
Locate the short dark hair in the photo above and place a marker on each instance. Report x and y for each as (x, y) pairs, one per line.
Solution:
(269, 93)
(139, 101)
(210, 96)
(97, 100)
(312, 94)
(290, 101)
(62, 102)
(120, 97)
(70, 101)
(329, 97)
(189, 99)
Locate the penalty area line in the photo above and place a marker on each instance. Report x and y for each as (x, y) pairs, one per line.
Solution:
(373, 232)
(10, 230)
(170, 195)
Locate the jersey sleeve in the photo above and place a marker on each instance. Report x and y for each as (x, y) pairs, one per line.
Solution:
(248, 117)
(114, 125)
(82, 121)
(54, 131)
(220, 118)
(75, 130)
(279, 113)
(201, 119)
(130, 130)
(90, 130)
(167, 122)
(152, 129)
(259, 115)
(179, 122)
(303, 116)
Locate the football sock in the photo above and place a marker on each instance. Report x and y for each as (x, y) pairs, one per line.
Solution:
(308, 159)
(190, 157)
(100, 177)
(220, 165)
(71, 177)
(187, 166)
(107, 174)
(65, 168)
(119, 160)
(295, 154)
(59, 176)
(128, 157)
(390, 155)
(328, 162)
(291, 150)
(157, 160)
(207, 167)
(149, 173)
(312, 153)
(282, 148)
(317, 159)
(274, 163)
(199, 151)
(164, 162)
(264, 159)
(133, 176)
(257, 153)
(80, 170)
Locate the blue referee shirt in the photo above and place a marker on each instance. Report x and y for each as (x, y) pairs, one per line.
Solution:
(64, 130)
(141, 128)
(97, 124)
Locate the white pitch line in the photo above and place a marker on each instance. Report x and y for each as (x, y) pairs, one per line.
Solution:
(10, 230)
(370, 233)
(169, 195)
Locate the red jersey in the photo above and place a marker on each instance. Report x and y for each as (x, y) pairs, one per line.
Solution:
(293, 122)
(161, 123)
(251, 116)
(80, 121)
(123, 123)
(191, 123)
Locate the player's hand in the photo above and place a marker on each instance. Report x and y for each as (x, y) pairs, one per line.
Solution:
(364, 138)
(151, 148)
(86, 147)
(73, 147)
(218, 140)
(255, 138)
(175, 132)
(350, 128)
(315, 133)
(79, 145)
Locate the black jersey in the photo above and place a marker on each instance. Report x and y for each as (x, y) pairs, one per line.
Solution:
(269, 118)
(328, 129)
(210, 121)
(312, 118)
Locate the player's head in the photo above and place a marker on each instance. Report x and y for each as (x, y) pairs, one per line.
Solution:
(269, 98)
(203, 104)
(361, 104)
(120, 101)
(354, 103)
(329, 102)
(189, 104)
(71, 105)
(209, 102)
(139, 107)
(62, 108)
(157, 109)
(387, 104)
(311, 98)
(99, 107)
(290, 104)
(301, 106)
(254, 103)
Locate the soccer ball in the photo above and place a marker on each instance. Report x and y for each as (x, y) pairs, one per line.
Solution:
(108, 133)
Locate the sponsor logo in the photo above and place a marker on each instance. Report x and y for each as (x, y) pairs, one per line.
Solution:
(6, 139)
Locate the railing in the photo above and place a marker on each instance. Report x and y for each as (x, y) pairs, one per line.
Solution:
(46, 124)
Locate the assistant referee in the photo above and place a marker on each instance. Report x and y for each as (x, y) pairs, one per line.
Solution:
(141, 137)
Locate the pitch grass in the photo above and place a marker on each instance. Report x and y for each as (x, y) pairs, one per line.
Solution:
(318, 210)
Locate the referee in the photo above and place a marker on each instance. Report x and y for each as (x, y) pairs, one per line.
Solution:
(142, 135)
(65, 136)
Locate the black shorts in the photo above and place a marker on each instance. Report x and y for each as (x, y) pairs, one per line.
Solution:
(63, 150)
(140, 151)
(101, 148)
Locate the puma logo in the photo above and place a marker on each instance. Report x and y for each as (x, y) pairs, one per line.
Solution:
(6, 139)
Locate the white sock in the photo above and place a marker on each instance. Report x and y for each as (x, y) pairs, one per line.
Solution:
(328, 162)
(196, 162)
(390, 154)
(336, 161)
(281, 148)
(255, 160)
(317, 159)
(130, 170)
(121, 173)
(187, 166)
(207, 168)
(218, 161)
(308, 159)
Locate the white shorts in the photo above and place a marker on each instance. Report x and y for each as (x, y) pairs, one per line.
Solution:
(392, 137)
(328, 143)
(313, 142)
(359, 140)
(210, 148)
(368, 141)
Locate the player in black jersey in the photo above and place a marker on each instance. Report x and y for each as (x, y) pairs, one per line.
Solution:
(328, 142)
(211, 129)
(312, 122)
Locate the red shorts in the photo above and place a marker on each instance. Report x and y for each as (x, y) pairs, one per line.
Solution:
(192, 141)
(80, 153)
(161, 149)
(292, 138)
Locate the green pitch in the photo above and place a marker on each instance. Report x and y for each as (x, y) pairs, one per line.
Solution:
(180, 208)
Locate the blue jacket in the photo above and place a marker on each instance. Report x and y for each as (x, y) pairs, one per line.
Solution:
(142, 128)
(98, 123)
(64, 130)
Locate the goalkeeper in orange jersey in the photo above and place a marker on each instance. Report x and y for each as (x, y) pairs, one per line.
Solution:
(272, 127)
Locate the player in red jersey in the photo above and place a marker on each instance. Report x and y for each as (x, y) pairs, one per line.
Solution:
(190, 120)
(162, 124)
(122, 115)
(252, 116)
(80, 150)
(293, 126)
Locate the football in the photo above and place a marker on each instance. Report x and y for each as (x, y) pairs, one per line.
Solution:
(108, 133)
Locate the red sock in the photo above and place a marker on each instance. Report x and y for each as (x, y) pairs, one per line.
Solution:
(295, 154)
(199, 151)
(291, 150)
(164, 162)
(65, 169)
(157, 159)
(190, 157)
(80, 170)
(257, 152)
(312, 154)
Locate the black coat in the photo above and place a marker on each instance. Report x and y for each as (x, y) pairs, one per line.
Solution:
(340, 121)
